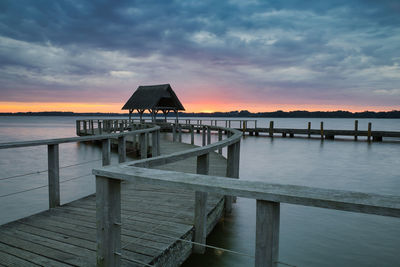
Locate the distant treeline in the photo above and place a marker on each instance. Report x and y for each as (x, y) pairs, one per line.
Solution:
(395, 114)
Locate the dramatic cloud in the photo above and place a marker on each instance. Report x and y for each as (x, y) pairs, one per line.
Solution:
(268, 53)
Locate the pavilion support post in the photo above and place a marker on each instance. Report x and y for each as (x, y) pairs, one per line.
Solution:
(130, 114)
(200, 212)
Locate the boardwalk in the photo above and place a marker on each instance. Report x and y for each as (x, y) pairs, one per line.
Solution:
(153, 219)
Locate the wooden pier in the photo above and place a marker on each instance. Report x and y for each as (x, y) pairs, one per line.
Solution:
(247, 127)
(157, 211)
(157, 223)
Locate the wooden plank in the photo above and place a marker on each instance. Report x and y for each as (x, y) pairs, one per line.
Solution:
(12, 260)
(292, 194)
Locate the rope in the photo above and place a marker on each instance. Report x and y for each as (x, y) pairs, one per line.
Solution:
(42, 171)
(31, 189)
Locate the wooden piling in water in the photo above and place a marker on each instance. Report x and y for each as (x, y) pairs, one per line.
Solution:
(369, 131)
(271, 128)
(322, 130)
(355, 130)
(309, 129)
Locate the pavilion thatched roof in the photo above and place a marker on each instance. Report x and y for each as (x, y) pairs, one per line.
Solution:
(159, 97)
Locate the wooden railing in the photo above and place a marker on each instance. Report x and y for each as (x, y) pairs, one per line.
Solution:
(268, 196)
(53, 152)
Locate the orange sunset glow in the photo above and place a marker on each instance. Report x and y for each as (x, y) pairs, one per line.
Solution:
(204, 107)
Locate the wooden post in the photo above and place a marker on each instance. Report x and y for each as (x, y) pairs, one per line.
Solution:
(232, 170)
(369, 131)
(179, 133)
(200, 211)
(53, 175)
(154, 149)
(158, 143)
(173, 132)
(355, 130)
(244, 126)
(226, 124)
(229, 123)
(204, 136)
(108, 221)
(267, 234)
(271, 128)
(92, 126)
(220, 139)
(99, 127)
(143, 146)
(78, 127)
(85, 127)
(208, 135)
(122, 149)
(309, 129)
(322, 130)
(121, 127)
(192, 134)
(106, 152)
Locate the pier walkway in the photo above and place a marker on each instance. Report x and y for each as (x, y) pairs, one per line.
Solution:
(154, 220)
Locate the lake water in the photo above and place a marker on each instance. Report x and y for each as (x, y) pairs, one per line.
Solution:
(308, 236)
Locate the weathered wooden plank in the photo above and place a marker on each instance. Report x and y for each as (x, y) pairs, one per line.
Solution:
(12, 260)
(292, 194)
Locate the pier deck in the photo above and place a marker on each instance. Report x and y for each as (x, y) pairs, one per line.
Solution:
(153, 221)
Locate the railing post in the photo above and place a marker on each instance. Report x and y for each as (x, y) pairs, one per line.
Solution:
(154, 144)
(200, 211)
(208, 135)
(180, 133)
(267, 234)
(158, 143)
(232, 170)
(53, 175)
(220, 139)
(122, 149)
(204, 136)
(78, 127)
(355, 130)
(92, 126)
(85, 127)
(99, 127)
(143, 146)
(192, 134)
(106, 154)
(108, 221)
(173, 132)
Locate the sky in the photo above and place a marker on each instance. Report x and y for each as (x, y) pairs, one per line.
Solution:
(90, 56)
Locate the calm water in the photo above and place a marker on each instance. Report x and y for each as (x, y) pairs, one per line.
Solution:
(308, 236)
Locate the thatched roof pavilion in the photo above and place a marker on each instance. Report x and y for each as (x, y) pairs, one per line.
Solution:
(154, 98)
